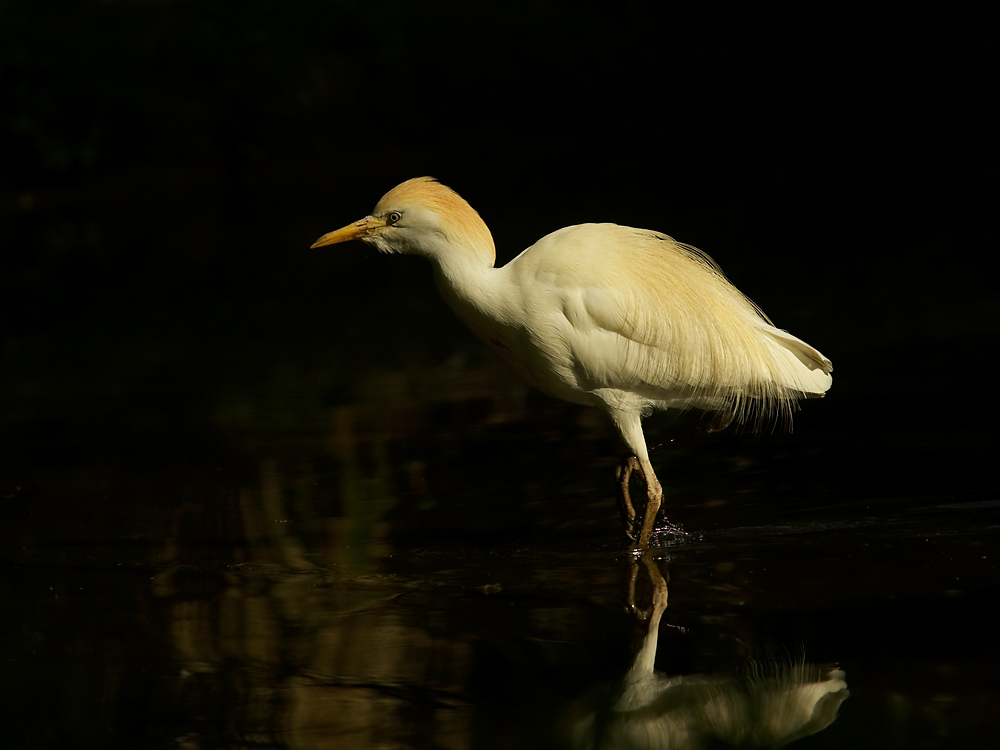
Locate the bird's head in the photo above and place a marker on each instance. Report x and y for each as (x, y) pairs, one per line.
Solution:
(420, 217)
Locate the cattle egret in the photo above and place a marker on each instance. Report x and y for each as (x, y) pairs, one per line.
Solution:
(627, 320)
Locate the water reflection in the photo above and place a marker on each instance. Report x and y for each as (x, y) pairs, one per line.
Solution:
(283, 652)
(769, 706)
(341, 587)
(300, 641)
(305, 660)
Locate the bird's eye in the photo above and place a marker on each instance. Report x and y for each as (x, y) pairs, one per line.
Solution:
(392, 217)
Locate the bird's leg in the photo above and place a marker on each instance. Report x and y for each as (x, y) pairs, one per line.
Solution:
(623, 474)
(654, 496)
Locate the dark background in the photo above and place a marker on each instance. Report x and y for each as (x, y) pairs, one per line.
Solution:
(198, 411)
(165, 166)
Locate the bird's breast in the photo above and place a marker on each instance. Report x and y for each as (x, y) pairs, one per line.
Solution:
(530, 323)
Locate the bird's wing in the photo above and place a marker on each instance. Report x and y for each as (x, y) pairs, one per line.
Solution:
(648, 314)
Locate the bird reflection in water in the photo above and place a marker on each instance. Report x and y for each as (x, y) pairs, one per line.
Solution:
(657, 711)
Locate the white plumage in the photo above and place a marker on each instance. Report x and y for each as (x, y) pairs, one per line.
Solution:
(624, 319)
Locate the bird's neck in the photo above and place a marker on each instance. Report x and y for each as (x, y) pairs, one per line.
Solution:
(472, 287)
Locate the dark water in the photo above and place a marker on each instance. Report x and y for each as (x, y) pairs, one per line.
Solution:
(447, 570)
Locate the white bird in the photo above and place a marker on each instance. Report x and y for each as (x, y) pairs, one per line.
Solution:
(627, 320)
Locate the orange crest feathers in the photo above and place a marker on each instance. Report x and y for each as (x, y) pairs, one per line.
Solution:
(459, 220)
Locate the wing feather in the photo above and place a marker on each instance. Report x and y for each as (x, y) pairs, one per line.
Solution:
(657, 317)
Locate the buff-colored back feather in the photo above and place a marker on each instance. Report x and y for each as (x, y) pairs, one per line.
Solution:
(688, 338)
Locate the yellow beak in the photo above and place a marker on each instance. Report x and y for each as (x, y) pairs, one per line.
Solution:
(356, 231)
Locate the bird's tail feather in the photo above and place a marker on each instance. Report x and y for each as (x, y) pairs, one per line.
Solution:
(801, 367)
